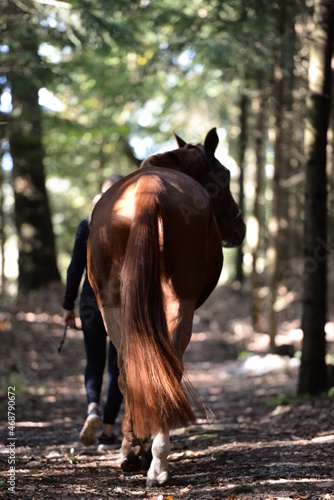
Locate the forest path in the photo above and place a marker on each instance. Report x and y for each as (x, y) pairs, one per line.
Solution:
(253, 439)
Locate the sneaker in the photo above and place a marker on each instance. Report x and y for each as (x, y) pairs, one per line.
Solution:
(108, 442)
(92, 423)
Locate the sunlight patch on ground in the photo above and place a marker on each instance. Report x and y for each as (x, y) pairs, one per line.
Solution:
(259, 343)
(258, 365)
(21, 425)
(324, 439)
(290, 482)
(291, 336)
(30, 317)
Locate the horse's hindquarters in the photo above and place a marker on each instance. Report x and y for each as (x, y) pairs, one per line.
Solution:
(112, 322)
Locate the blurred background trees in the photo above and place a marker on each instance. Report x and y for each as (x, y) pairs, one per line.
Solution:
(313, 373)
(90, 88)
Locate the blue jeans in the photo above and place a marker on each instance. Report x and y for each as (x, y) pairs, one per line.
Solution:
(95, 338)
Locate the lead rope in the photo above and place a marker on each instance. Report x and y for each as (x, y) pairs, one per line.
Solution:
(62, 340)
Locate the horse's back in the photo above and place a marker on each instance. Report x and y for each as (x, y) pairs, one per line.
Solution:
(190, 244)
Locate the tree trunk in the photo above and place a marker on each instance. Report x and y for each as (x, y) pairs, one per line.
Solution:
(278, 226)
(330, 171)
(37, 254)
(242, 148)
(313, 373)
(258, 209)
(278, 148)
(2, 232)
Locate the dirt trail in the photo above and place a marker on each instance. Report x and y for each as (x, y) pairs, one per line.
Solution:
(253, 439)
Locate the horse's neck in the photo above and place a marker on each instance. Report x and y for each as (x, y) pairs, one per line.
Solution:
(175, 162)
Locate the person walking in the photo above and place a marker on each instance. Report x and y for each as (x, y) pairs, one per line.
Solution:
(96, 344)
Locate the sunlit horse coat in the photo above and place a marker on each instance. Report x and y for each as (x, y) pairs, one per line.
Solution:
(154, 256)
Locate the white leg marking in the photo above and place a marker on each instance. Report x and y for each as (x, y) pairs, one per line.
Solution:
(158, 472)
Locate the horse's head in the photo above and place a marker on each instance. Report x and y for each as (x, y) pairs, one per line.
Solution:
(200, 163)
(217, 184)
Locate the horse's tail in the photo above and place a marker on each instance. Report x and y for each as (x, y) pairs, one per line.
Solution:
(153, 370)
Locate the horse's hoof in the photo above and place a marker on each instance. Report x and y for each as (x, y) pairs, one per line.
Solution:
(161, 480)
(134, 464)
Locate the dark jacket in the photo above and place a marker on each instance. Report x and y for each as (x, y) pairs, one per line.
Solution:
(76, 269)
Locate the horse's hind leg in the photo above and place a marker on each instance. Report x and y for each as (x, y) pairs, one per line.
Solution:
(135, 454)
(158, 473)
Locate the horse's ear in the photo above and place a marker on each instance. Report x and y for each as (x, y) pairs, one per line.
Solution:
(179, 141)
(211, 142)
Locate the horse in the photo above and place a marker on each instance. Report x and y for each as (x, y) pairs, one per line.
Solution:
(154, 256)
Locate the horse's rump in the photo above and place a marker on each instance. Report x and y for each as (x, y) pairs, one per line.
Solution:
(152, 368)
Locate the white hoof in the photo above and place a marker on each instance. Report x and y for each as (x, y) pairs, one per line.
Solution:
(160, 480)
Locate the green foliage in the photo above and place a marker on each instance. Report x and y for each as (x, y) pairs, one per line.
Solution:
(242, 488)
(127, 71)
(12, 379)
(244, 355)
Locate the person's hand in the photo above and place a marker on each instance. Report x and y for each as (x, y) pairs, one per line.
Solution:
(69, 318)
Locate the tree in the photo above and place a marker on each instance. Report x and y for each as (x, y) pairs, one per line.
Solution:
(258, 225)
(24, 71)
(2, 229)
(27, 26)
(313, 374)
(243, 136)
(283, 79)
(129, 72)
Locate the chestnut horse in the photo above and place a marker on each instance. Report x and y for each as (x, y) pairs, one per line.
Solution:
(154, 256)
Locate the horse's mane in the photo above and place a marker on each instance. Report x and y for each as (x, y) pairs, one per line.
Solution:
(181, 159)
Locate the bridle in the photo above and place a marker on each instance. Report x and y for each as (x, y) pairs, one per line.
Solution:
(231, 219)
